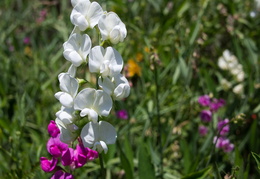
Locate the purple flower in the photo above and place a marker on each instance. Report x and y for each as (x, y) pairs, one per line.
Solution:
(67, 157)
(26, 40)
(122, 114)
(216, 104)
(203, 130)
(53, 129)
(206, 115)
(223, 143)
(55, 147)
(92, 154)
(48, 165)
(204, 100)
(62, 175)
(223, 127)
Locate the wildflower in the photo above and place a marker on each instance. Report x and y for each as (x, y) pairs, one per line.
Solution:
(112, 28)
(139, 57)
(203, 130)
(223, 143)
(62, 175)
(48, 165)
(92, 103)
(55, 147)
(223, 127)
(53, 129)
(69, 88)
(238, 89)
(225, 84)
(98, 135)
(204, 100)
(77, 48)
(117, 86)
(206, 115)
(28, 51)
(26, 40)
(42, 16)
(86, 14)
(122, 114)
(107, 62)
(133, 68)
(216, 104)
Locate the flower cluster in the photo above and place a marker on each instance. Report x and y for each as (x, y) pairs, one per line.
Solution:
(74, 158)
(206, 115)
(79, 100)
(229, 62)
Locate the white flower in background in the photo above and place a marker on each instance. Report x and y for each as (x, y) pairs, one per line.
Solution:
(107, 62)
(98, 135)
(64, 121)
(240, 77)
(92, 103)
(112, 28)
(77, 48)
(238, 89)
(86, 14)
(226, 85)
(117, 86)
(69, 88)
(222, 63)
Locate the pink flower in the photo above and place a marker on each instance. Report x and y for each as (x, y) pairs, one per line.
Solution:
(216, 104)
(203, 130)
(48, 165)
(53, 129)
(62, 175)
(206, 115)
(122, 114)
(204, 100)
(26, 40)
(223, 127)
(223, 143)
(55, 147)
(67, 157)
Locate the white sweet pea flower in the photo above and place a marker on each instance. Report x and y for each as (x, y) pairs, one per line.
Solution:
(75, 2)
(77, 48)
(98, 135)
(238, 89)
(117, 86)
(86, 14)
(92, 103)
(69, 88)
(65, 123)
(107, 62)
(72, 71)
(112, 28)
(222, 63)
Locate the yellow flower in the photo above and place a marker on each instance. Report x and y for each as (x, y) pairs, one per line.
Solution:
(133, 68)
(28, 51)
(139, 57)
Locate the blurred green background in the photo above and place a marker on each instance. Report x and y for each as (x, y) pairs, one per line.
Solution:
(175, 43)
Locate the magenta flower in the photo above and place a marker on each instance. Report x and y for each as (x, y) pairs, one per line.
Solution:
(223, 127)
(67, 157)
(223, 143)
(216, 104)
(55, 147)
(62, 175)
(206, 115)
(122, 114)
(53, 129)
(204, 100)
(92, 154)
(48, 165)
(203, 130)
(27, 40)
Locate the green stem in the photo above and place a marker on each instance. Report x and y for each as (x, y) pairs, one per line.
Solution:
(102, 168)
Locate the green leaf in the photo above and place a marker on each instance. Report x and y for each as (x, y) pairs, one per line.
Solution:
(257, 159)
(146, 169)
(199, 174)
(125, 164)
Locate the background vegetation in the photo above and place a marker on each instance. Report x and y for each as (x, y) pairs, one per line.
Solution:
(176, 44)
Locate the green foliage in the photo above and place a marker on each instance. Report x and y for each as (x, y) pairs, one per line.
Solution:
(180, 39)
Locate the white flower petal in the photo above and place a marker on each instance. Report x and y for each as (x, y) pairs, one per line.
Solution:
(84, 99)
(100, 146)
(66, 100)
(68, 84)
(94, 14)
(103, 103)
(67, 131)
(107, 132)
(106, 84)
(72, 70)
(89, 134)
(115, 59)
(96, 58)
